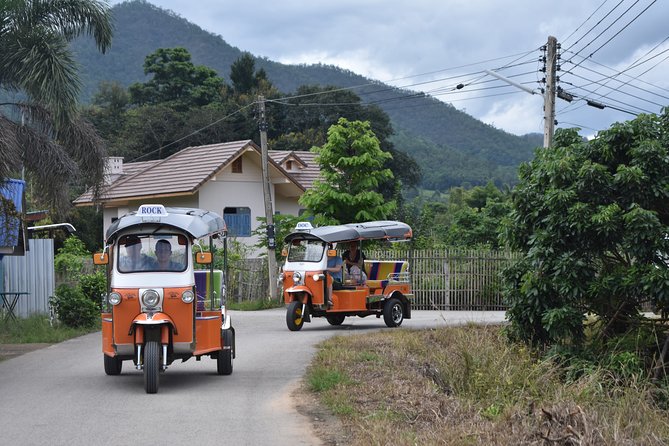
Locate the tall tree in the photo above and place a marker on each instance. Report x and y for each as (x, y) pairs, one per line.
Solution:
(244, 77)
(351, 163)
(176, 81)
(315, 108)
(592, 220)
(55, 144)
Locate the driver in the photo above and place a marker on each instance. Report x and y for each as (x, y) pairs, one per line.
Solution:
(164, 256)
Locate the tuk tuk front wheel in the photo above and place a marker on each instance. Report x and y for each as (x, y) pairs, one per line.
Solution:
(294, 316)
(113, 365)
(224, 358)
(335, 319)
(151, 366)
(393, 312)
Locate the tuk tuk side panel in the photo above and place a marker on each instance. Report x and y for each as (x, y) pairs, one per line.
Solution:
(107, 340)
(403, 288)
(207, 332)
(123, 315)
(181, 313)
(350, 300)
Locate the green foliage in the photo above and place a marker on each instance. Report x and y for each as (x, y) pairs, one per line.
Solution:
(592, 220)
(36, 329)
(463, 217)
(94, 286)
(37, 62)
(351, 164)
(69, 259)
(73, 308)
(245, 79)
(176, 81)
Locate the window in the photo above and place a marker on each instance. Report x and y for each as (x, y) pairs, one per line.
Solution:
(289, 165)
(237, 165)
(238, 221)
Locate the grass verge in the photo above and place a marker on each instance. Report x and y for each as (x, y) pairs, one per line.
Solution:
(254, 305)
(36, 329)
(468, 386)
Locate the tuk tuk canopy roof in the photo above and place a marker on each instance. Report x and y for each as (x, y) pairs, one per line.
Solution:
(371, 230)
(196, 222)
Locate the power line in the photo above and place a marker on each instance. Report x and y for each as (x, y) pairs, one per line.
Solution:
(194, 132)
(582, 24)
(615, 35)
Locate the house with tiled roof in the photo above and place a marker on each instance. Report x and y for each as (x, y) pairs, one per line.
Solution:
(225, 178)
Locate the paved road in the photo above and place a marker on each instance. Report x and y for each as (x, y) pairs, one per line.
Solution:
(60, 395)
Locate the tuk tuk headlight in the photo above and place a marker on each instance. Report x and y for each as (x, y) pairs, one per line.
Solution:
(318, 277)
(187, 296)
(150, 298)
(297, 277)
(114, 298)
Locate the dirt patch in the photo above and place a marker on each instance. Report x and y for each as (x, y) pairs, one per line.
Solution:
(327, 427)
(8, 351)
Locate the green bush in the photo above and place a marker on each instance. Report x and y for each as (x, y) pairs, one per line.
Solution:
(70, 258)
(94, 286)
(73, 308)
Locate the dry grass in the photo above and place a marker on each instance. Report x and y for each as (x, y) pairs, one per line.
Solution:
(467, 386)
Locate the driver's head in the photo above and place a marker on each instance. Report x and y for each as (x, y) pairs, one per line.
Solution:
(163, 247)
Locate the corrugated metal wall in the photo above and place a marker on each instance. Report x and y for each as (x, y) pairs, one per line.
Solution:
(33, 273)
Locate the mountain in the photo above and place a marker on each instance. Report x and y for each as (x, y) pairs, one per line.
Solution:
(442, 139)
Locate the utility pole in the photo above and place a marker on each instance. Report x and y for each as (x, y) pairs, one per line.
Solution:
(269, 213)
(551, 90)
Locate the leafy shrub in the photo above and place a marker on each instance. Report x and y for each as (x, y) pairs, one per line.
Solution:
(70, 258)
(94, 286)
(73, 308)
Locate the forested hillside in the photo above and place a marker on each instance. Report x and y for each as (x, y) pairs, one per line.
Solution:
(451, 147)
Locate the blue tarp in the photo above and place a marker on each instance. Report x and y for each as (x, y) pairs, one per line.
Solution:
(11, 190)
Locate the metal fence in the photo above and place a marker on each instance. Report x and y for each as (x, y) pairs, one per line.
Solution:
(32, 273)
(247, 280)
(453, 279)
(443, 279)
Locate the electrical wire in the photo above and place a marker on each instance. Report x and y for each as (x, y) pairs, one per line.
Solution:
(194, 132)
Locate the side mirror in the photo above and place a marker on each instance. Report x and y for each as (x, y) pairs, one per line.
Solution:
(284, 252)
(203, 258)
(100, 258)
(332, 253)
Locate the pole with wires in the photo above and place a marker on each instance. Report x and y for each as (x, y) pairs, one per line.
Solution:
(267, 194)
(550, 91)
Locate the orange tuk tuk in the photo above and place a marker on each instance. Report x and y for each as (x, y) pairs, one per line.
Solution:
(159, 308)
(309, 289)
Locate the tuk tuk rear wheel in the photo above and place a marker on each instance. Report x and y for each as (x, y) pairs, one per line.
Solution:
(335, 319)
(294, 316)
(393, 312)
(224, 358)
(113, 365)
(151, 366)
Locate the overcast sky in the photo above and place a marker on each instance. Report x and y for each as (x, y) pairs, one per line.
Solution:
(415, 43)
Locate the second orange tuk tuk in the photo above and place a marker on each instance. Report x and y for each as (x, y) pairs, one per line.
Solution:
(309, 291)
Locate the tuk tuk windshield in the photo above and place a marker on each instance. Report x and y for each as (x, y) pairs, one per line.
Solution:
(152, 253)
(306, 251)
